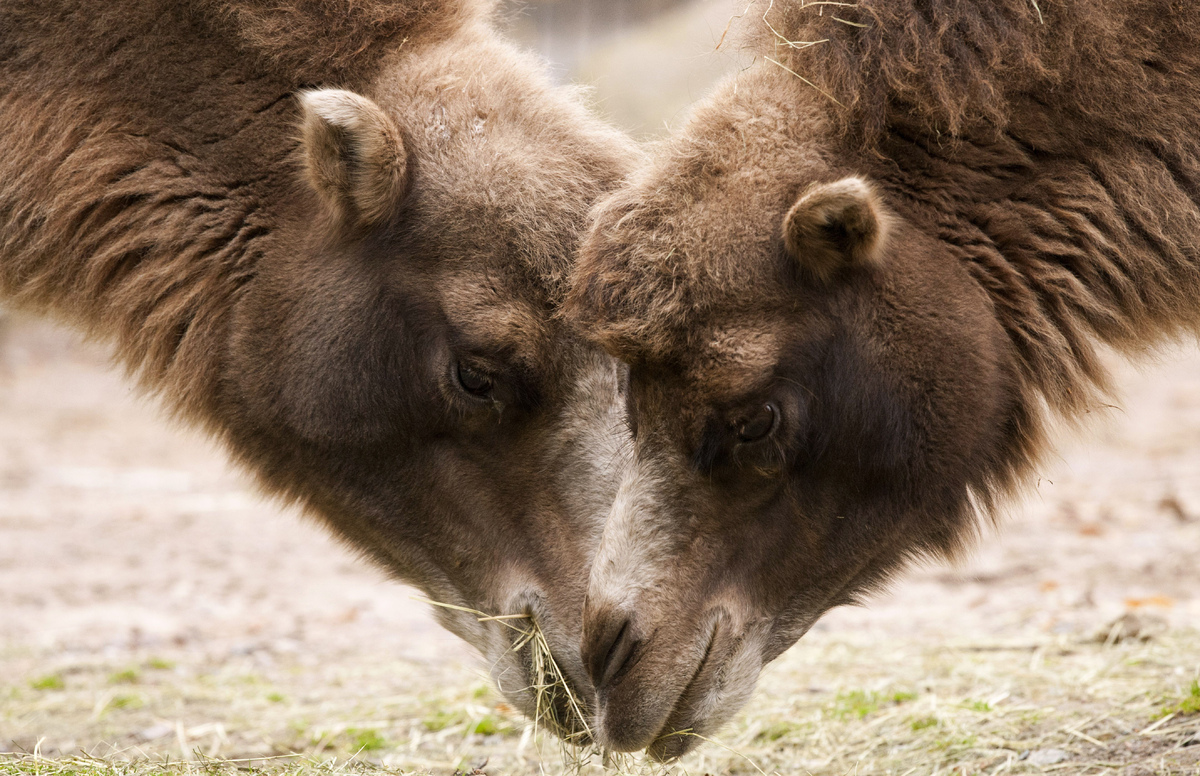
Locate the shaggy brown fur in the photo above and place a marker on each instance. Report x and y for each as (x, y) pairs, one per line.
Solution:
(1024, 183)
(334, 40)
(956, 64)
(373, 338)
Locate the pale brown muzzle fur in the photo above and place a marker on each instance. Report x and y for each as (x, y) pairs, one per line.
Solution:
(666, 660)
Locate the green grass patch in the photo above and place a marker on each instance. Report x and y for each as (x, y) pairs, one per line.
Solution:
(126, 702)
(48, 682)
(1189, 704)
(955, 743)
(488, 726)
(368, 740)
(440, 720)
(855, 704)
(923, 723)
(777, 730)
(127, 676)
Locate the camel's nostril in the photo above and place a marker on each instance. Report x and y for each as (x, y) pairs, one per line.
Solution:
(608, 649)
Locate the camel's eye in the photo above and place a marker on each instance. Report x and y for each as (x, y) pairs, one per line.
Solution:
(474, 382)
(758, 425)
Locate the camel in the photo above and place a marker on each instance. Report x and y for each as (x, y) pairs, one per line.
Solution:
(333, 234)
(852, 291)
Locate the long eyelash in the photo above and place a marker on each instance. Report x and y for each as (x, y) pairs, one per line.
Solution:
(779, 455)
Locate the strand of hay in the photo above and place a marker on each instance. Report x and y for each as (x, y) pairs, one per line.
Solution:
(805, 80)
(800, 45)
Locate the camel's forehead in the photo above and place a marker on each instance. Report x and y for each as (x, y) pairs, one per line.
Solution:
(721, 363)
(497, 312)
(732, 358)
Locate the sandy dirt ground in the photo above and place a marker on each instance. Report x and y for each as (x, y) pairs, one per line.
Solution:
(127, 541)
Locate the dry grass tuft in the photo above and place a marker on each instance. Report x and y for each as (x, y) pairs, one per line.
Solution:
(557, 706)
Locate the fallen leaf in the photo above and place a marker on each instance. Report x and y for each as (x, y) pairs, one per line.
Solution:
(1154, 600)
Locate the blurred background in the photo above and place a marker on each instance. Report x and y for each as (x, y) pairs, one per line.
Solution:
(647, 60)
(151, 602)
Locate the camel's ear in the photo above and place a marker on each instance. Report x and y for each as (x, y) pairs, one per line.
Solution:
(353, 155)
(836, 225)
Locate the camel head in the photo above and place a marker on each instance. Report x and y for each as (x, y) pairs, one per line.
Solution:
(398, 363)
(817, 393)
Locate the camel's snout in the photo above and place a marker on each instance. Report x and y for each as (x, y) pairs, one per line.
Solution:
(610, 642)
(660, 682)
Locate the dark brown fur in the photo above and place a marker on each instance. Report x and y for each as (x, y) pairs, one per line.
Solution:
(1037, 183)
(152, 193)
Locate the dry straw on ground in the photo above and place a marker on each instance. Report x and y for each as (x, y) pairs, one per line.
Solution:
(830, 707)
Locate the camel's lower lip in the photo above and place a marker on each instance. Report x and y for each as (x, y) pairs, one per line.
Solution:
(675, 737)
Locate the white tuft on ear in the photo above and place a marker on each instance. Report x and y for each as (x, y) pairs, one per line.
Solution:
(837, 225)
(353, 155)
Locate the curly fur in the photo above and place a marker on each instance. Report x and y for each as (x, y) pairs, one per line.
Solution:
(958, 64)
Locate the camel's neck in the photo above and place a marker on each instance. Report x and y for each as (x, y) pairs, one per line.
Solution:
(1078, 233)
(141, 172)
(1054, 149)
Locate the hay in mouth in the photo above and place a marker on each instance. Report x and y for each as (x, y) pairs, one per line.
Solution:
(556, 707)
